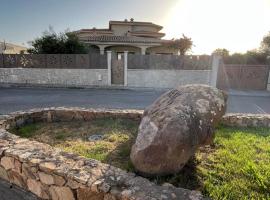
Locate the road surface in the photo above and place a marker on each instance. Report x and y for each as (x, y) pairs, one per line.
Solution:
(14, 99)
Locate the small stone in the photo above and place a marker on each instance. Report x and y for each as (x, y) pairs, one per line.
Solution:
(58, 180)
(167, 185)
(173, 196)
(17, 179)
(17, 166)
(105, 187)
(109, 197)
(7, 162)
(95, 185)
(126, 194)
(61, 193)
(46, 178)
(35, 161)
(37, 188)
(163, 196)
(3, 174)
(73, 184)
(29, 172)
(95, 137)
(47, 166)
(87, 194)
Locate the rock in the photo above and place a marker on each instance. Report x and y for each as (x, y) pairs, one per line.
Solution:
(3, 174)
(73, 184)
(88, 194)
(8, 163)
(47, 166)
(37, 188)
(60, 193)
(46, 178)
(174, 126)
(95, 137)
(17, 179)
(58, 180)
(17, 166)
(29, 172)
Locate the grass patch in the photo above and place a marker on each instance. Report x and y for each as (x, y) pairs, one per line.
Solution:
(236, 166)
(27, 131)
(239, 167)
(114, 148)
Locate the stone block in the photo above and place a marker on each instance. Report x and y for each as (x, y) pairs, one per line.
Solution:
(38, 188)
(61, 193)
(17, 179)
(47, 166)
(17, 166)
(58, 180)
(3, 174)
(8, 162)
(73, 184)
(29, 171)
(46, 178)
(87, 194)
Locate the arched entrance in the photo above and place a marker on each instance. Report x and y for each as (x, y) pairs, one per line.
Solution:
(93, 49)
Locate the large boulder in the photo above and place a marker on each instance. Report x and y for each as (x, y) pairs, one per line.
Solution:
(174, 126)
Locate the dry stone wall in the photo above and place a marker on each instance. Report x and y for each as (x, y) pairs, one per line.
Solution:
(247, 120)
(53, 174)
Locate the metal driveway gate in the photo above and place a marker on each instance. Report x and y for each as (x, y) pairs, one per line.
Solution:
(243, 77)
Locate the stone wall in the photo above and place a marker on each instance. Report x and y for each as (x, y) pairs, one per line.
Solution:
(246, 120)
(54, 77)
(167, 78)
(82, 70)
(53, 174)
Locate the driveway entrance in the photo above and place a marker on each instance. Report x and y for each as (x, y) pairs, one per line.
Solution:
(243, 77)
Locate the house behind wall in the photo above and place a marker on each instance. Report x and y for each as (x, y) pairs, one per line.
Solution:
(132, 36)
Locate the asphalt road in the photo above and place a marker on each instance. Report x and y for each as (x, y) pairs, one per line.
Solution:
(14, 99)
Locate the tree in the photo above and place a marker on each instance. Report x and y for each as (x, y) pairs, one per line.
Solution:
(255, 56)
(52, 43)
(222, 52)
(183, 45)
(265, 44)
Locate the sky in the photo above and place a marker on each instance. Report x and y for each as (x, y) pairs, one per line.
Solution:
(237, 25)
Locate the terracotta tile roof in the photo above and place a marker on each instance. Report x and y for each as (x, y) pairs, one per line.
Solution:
(135, 23)
(125, 39)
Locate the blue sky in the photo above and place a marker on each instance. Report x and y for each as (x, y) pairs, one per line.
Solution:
(22, 20)
(237, 25)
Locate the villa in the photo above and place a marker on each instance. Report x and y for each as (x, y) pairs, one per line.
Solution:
(132, 36)
(8, 48)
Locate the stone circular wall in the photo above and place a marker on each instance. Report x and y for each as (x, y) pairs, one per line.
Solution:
(246, 120)
(53, 174)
